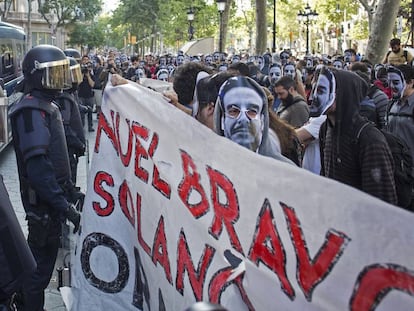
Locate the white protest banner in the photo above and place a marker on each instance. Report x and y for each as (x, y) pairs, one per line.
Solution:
(171, 206)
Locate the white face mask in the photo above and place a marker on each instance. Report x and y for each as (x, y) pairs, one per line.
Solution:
(323, 98)
(275, 73)
(290, 71)
(397, 85)
(242, 118)
(337, 65)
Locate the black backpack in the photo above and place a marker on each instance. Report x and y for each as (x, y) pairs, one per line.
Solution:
(403, 165)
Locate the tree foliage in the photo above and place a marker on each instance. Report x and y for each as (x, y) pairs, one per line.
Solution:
(91, 35)
(69, 11)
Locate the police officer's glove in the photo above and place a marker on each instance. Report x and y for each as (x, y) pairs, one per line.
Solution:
(73, 216)
(75, 196)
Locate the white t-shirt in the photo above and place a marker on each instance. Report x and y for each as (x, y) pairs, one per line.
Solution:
(312, 157)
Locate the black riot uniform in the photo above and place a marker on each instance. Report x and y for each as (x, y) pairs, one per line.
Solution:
(72, 122)
(16, 260)
(43, 164)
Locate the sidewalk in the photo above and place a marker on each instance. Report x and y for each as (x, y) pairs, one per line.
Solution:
(8, 168)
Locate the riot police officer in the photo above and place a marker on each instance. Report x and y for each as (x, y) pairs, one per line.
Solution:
(43, 164)
(72, 122)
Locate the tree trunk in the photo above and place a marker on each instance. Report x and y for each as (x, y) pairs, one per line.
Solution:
(381, 31)
(226, 17)
(261, 27)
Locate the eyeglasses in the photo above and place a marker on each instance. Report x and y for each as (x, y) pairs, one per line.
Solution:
(234, 112)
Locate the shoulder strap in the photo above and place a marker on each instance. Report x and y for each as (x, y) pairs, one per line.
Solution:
(372, 91)
(386, 56)
(406, 55)
(397, 114)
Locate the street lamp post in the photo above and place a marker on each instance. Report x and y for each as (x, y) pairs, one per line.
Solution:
(307, 16)
(339, 30)
(274, 28)
(221, 6)
(190, 18)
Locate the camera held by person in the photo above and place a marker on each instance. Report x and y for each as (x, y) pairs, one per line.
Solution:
(86, 68)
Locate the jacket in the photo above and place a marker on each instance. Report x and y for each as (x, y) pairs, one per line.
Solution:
(368, 165)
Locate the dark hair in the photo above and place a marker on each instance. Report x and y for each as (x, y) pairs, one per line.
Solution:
(352, 51)
(208, 88)
(242, 68)
(395, 41)
(185, 79)
(359, 66)
(134, 58)
(286, 82)
(407, 71)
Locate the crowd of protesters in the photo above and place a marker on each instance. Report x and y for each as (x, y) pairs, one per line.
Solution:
(328, 115)
(310, 108)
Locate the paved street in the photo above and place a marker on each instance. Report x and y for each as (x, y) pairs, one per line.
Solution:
(8, 169)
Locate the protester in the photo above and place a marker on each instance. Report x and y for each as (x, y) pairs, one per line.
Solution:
(97, 88)
(397, 55)
(400, 118)
(293, 108)
(288, 141)
(374, 94)
(43, 164)
(365, 163)
(381, 80)
(206, 95)
(86, 94)
(241, 114)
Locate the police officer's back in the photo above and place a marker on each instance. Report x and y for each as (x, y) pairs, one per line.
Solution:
(43, 164)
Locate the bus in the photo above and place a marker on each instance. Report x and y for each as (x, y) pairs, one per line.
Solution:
(12, 51)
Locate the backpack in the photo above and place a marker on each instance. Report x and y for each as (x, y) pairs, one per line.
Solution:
(403, 165)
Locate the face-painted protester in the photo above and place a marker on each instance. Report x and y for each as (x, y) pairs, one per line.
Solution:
(43, 164)
(400, 117)
(162, 73)
(275, 73)
(381, 80)
(284, 57)
(349, 58)
(223, 67)
(397, 82)
(361, 159)
(293, 108)
(374, 95)
(338, 64)
(206, 95)
(241, 114)
(289, 70)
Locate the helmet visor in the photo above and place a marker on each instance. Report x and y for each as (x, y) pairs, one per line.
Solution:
(76, 74)
(56, 75)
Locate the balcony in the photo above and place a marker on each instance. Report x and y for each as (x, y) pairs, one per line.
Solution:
(21, 17)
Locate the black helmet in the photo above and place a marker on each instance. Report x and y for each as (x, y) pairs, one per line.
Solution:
(45, 67)
(73, 53)
(75, 71)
